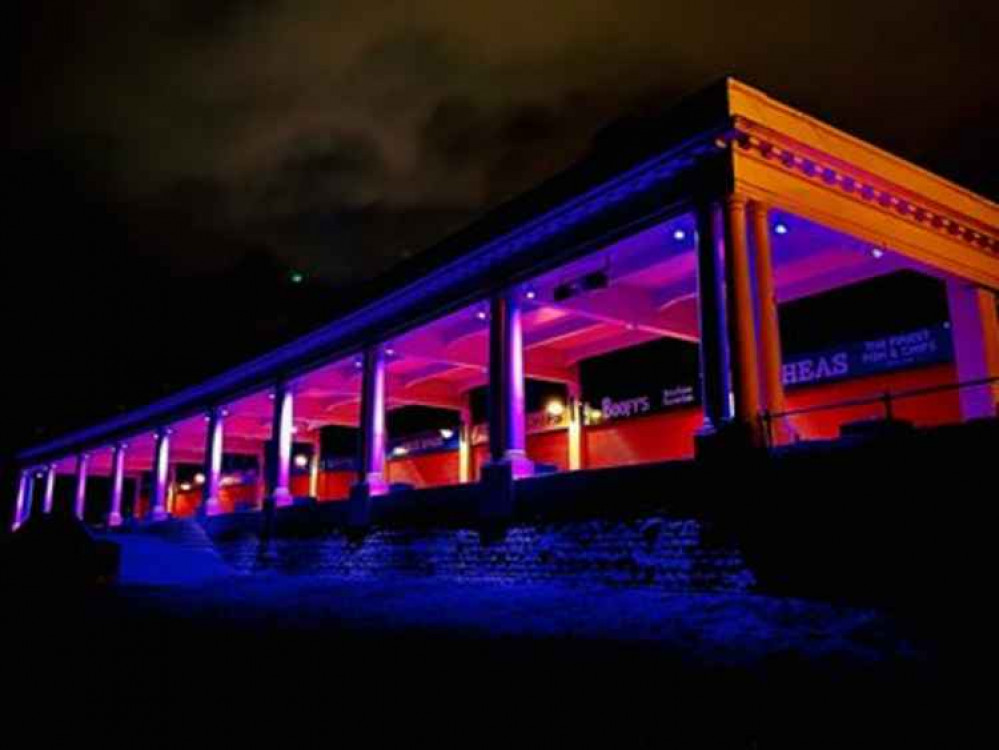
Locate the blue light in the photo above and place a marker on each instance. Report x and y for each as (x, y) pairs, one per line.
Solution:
(780, 229)
(679, 235)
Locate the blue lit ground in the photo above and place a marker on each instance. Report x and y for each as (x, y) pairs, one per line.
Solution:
(459, 664)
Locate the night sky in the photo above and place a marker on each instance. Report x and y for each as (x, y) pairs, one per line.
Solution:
(170, 165)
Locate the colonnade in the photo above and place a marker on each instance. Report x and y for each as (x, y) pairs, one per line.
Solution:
(741, 376)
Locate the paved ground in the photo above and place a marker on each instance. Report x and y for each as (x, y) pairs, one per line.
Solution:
(462, 664)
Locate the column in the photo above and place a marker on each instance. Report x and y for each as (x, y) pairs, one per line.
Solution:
(770, 360)
(371, 471)
(136, 497)
(281, 437)
(23, 488)
(80, 502)
(711, 319)
(117, 483)
(161, 477)
(575, 431)
(741, 328)
(314, 466)
(975, 333)
(465, 469)
(210, 505)
(50, 479)
(507, 422)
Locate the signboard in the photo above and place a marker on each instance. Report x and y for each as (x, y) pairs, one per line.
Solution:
(429, 442)
(924, 346)
(671, 397)
(918, 348)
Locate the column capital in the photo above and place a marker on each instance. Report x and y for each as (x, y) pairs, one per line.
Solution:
(736, 201)
(757, 208)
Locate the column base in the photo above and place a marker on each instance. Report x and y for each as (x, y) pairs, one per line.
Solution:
(359, 507)
(157, 514)
(726, 441)
(519, 464)
(114, 519)
(282, 497)
(780, 432)
(497, 497)
(212, 507)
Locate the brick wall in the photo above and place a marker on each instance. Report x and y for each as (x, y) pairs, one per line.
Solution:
(664, 553)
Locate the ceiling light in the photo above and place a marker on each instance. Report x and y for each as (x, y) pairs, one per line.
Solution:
(595, 280)
(679, 235)
(555, 408)
(780, 229)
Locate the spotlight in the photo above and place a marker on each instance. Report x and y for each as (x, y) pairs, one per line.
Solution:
(446, 433)
(301, 461)
(389, 352)
(780, 229)
(679, 235)
(481, 314)
(595, 280)
(296, 277)
(358, 363)
(531, 294)
(877, 253)
(563, 292)
(184, 486)
(555, 408)
(199, 478)
(400, 450)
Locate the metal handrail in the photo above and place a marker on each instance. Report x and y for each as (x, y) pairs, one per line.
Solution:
(887, 399)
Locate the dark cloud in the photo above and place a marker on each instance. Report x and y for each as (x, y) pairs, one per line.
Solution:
(217, 143)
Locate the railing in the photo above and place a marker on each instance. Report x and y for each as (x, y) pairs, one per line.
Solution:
(887, 399)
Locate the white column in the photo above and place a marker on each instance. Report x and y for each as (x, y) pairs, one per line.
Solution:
(50, 479)
(975, 333)
(314, 467)
(743, 364)
(507, 419)
(372, 448)
(117, 483)
(281, 435)
(768, 320)
(80, 502)
(575, 433)
(214, 444)
(711, 319)
(465, 447)
(22, 490)
(161, 477)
